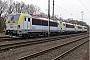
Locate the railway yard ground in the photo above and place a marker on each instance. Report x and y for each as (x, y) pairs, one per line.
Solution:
(2, 34)
(63, 47)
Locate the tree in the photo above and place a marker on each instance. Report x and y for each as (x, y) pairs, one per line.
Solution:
(3, 10)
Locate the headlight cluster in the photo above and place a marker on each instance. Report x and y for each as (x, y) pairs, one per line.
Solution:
(13, 21)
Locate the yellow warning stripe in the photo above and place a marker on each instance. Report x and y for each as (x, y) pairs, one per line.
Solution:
(20, 18)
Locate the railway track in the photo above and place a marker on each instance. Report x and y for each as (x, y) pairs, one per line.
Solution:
(15, 53)
(19, 40)
(41, 54)
(7, 38)
(4, 37)
(6, 47)
(68, 51)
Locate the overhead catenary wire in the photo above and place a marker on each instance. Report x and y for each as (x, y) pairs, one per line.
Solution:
(70, 6)
(69, 11)
(59, 7)
(84, 5)
(62, 8)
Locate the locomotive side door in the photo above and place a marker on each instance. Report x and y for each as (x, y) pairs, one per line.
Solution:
(25, 23)
(28, 23)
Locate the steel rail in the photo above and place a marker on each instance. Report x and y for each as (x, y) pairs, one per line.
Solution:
(46, 50)
(16, 45)
(66, 52)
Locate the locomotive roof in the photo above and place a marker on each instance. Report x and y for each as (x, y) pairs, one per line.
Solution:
(21, 13)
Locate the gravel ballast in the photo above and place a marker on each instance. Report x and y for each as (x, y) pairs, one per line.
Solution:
(78, 53)
(13, 54)
(50, 55)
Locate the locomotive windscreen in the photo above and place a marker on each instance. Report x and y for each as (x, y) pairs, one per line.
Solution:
(13, 17)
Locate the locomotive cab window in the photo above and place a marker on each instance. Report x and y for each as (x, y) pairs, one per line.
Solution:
(25, 18)
(28, 19)
(12, 17)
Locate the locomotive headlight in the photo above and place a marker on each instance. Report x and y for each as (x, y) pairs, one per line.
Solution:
(13, 21)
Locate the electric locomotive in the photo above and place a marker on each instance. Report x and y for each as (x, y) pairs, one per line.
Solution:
(26, 25)
(20, 24)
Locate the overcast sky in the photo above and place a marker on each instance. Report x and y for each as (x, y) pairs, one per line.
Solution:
(65, 8)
